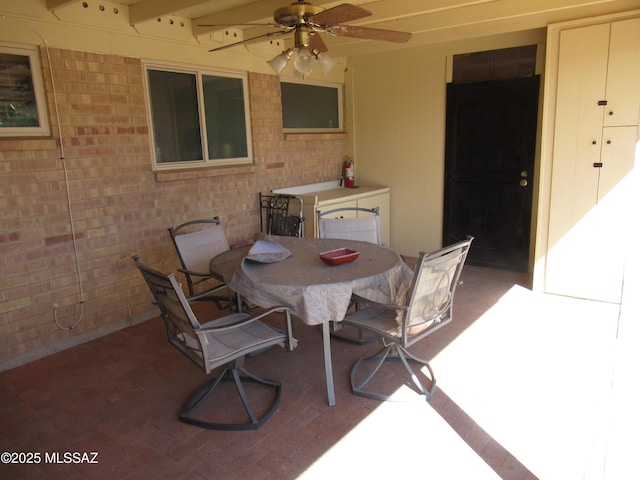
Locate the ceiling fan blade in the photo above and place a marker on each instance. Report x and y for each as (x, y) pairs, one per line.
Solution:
(224, 25)
(316, 43)
(270, 34)
(369, 33)
(339, 14)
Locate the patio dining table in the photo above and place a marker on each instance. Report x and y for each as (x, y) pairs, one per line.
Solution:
(316, 292)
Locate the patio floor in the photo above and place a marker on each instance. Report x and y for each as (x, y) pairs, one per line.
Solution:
(529, 386)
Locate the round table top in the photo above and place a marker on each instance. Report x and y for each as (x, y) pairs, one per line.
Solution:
(317, 292)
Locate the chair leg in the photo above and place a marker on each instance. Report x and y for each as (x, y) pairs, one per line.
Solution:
(405, 356)
(237, 375)
(390, 353)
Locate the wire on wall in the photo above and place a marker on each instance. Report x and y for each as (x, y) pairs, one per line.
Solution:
(67, 189)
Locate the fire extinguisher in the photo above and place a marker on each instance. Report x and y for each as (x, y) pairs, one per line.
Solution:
(349, 174)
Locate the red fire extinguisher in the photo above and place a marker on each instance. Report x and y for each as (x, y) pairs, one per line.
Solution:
(349, 174)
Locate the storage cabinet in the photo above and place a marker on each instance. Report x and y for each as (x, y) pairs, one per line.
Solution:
(365, 197)
(596, 130)
(623, 77)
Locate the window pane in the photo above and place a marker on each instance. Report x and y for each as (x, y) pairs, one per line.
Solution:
(225, 117)
(18, 106)
(174, 107)
(307, 106)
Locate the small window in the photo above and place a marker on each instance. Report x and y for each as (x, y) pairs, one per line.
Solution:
(22, 97)
(311, 106)
(199, 117)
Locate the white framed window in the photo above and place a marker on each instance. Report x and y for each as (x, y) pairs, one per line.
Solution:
(199, 116)
(311, 106)
(23, 106)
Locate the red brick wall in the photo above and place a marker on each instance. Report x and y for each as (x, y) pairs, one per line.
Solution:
(119, 206)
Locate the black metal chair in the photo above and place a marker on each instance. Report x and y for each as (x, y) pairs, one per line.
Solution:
(225, 342)
(196, 243)
(427, 307)
(281, 214)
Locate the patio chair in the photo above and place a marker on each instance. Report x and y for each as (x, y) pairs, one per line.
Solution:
(364, 225)
(359, 224)
(224, 342)
(281, 214)
(427, 307)
(196, 243)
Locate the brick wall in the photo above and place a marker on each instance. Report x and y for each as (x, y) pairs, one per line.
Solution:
(119, 206)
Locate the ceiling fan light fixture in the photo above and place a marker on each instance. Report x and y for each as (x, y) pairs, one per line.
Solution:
(280, 61)
(326, 62)
(304, 62)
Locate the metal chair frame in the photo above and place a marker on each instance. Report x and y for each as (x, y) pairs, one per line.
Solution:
(224, 342)
(195, 278)
(375, 212)
(277, 217)
(428, 307)
(337, 327)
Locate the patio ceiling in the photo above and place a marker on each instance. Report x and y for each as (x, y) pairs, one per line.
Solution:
(430, 21)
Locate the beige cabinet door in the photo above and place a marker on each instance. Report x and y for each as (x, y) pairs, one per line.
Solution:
(311, 220)
(588, 260)
(589, 174)
(623, 79)
(614, 214)
(578, 128)
(344, 214)
(618, 157)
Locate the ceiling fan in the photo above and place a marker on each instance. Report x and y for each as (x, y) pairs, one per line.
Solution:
(306, 22)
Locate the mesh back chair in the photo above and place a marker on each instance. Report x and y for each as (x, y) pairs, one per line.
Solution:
(427, 307)
(365, 226)
(281, 215)
(197, 242)
(224, 342)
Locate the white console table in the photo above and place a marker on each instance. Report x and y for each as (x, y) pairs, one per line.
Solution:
(328, 195)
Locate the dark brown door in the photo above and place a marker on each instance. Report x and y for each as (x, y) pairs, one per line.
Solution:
(490, 152)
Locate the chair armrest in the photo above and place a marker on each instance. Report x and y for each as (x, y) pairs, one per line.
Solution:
(384, 306)
(208, 293)
(244, 320)
(191, 272)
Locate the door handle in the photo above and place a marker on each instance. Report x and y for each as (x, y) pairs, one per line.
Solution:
(523, 183)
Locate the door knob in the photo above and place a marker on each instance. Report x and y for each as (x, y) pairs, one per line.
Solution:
(523, 183)
(524, 174)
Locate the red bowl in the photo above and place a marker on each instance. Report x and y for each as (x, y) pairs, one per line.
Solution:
(339, 256)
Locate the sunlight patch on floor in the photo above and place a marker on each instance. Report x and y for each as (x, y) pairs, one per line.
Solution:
(535, 373)
(401, 440)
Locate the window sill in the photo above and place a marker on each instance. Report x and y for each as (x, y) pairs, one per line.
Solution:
(203, 172)
(315, 136)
